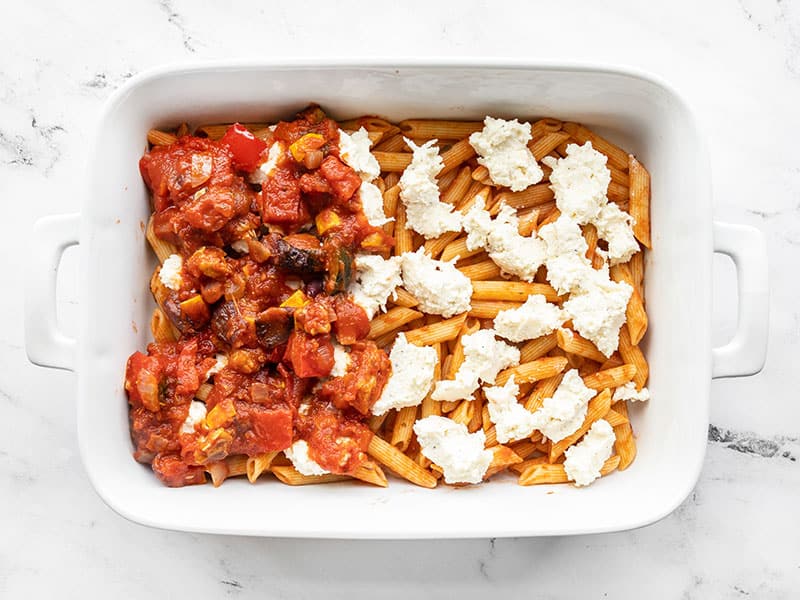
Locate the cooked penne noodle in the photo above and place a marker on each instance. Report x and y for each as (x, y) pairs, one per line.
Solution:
(544, 145)
(625, 444)
(536, 370)
(590, 235)
(394, 143)
(528, 222)
(156, 137)
(503, 457)
(437, 332)
(161, 328)
(618, 176)
(551, 217)
(542, 390)
(403, 237)
(615, 418)
(598, 408)
(439, 129)
(631, 354)
(457, 355)
(203, 391)
(430, 406)
(162, 249)
(394, 460)
(446, 180)
(533, 349)
(476, 422)
(511, 291)
(464, 412)
(376, 421)
(571, 342)
(458, 249)
(456, 155)
(636, 267)
(535, 195)
(402, 430)
(392, 320)
(488, 309)
(256, 465)
(616, 155)
(371, 472)
(538, 474)
(536, 460)
(449, 406)
(456, 191)
(618, 193)
(611, 378)
(481, 174)
(291, 476)
(545, 126)
(491, 436)
(640, 201)
(391, 198)
(613, 361)
(404, 298)
(636, 317)
(183, 129)
(393, 161)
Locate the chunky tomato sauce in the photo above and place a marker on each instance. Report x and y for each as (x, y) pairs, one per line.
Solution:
(267, 259)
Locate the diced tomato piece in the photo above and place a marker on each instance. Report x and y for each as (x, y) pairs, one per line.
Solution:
(261, 428)
(212, 210)
(143, 377)
(171, 470)
(362, 384)
(310, 355)
(280, 200)
(245, 147)
(343, 179)
(186, 371)
(352, 323)
(337, 442)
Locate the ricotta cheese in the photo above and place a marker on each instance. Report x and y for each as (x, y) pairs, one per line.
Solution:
(461, 455)
(535, 318)
(297, 453)
(584, 460)
(513, 253)
(502, 147)
(615, 226)
(440, 288)
(341, 360)
(419, 191)
(564, 413)
(197, 412)
(579, 182)
(597, 310)
(629, 392)
(484, 357)
(222, 362)
(372, 204)
(376, 279)
(412, 376)
(565, 254)
(512, 420)
(265, 170)
(170, 273)
(354, 152)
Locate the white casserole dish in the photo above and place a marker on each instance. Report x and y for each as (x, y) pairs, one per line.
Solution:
(639, 113)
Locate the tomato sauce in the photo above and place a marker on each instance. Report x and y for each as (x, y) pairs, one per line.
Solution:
(267, 261)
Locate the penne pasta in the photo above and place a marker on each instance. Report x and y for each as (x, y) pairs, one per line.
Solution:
(545, 144)
(404, 298)
(256, 465)
(503, 457)
(631, 354)
(156, 137)
(511, 291)
(615, 418)
(598, 408)
(617, 157)
(291, 476)
(456, 155)
(439, 129)
(392, 320)
(457, 249)
(464, 412)
(437, 332)
(625, 444)
(544, 126)
(536, 370)
(393, 161)
(533, 349)
(538, 474)
(610, 378)
(403, 423)
(403, 237)
(488, 309)
(640, 200)
(397, 462)
(162, 249)
(163, 331)
(571, 342)
(371, 472)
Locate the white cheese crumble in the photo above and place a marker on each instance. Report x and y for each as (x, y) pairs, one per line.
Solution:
(579, 182)
(484, 357)
(629, 392)
(584, 460)
(372, 204)
(440, 288)
(222, 362)
(341, 360)
(615, 226)
(170, 273)
(419, 191)
(566, 262)
(597, 310)
(241, 246)
(535, 318)
(412, 376)
(354, 152)
(265, 170)
(503, 149)
(376, 279)
(513, 253)
(297, 453)
(512, 420)
(562, 415)
(461, 455)
(197, 412)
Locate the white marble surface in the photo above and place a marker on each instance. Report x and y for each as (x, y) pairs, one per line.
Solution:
(737, 63)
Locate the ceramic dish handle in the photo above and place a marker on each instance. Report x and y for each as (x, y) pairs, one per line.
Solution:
(45, 344)
(746, 352)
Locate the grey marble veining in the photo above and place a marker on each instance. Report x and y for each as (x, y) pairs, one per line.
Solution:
(738, 65)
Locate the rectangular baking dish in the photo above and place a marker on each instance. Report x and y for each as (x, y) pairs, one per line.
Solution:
(636, 111)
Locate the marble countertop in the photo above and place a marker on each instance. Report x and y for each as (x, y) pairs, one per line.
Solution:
(737, 64)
